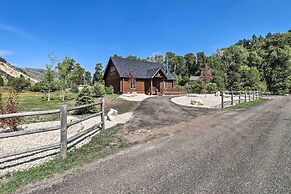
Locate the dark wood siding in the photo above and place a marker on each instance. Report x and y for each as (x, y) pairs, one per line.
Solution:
(112, 78)
(140, 86)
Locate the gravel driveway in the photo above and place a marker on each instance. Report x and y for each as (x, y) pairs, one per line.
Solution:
(160, 111)
(221, 152)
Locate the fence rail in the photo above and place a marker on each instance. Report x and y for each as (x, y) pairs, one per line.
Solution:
(63, 127)
(243, 96)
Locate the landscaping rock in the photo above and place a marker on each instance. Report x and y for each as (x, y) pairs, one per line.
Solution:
(197, 102)
(112, 114)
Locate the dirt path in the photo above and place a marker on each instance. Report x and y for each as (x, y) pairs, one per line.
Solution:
(222, 152)
(160, 111)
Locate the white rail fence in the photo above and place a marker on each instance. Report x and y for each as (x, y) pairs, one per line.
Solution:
(229, 98)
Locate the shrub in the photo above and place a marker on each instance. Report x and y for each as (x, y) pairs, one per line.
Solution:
(74, 89)
(98, 89)
(19, 83)
(1, 81)
(262, 86)
(85, 97)
(36, 87)
(109, 90)
(11, 107)
(282, 92)
(178, 86)
(211, 88)
(248, 88)
(180, 80)
(236, 87)
(194, 87)
(289, 82)
(3, 60)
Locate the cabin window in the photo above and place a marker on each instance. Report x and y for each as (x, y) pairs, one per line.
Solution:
(132, 83)
(165, 84)
(112, 70)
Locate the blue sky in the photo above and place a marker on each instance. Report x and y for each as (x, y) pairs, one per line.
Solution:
(91, 31)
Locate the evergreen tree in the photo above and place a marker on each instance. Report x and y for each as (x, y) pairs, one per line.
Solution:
(190, 63)
(85, 97)
(98, 75)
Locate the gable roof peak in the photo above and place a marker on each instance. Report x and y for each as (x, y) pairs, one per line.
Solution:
(139, 68)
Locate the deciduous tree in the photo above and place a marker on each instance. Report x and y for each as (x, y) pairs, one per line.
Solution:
(64, 72)
(205, 78)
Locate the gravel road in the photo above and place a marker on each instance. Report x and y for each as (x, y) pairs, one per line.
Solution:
(246, 151)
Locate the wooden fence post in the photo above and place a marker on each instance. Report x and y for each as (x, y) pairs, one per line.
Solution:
(103, 113)
(239, 93)
(231, 97)
(222, 105)
(249, 96)
(63, 140)
(253, 95)
(245, 96)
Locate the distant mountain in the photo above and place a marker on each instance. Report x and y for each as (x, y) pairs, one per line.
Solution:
(9, 71)
(33, 72)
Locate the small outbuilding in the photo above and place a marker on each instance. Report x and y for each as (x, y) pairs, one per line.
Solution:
(129, 75)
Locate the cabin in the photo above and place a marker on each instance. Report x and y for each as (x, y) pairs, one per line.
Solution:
(129, 75)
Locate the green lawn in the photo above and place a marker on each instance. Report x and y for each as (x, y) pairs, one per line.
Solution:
(244, 105)
(33, 101)
(106, 142)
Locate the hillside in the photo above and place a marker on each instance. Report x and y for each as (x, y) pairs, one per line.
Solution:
(259, 63)
(9, 71)
(33, 72)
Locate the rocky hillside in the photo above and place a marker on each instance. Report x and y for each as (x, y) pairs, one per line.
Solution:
(33, 72)
(9, 71)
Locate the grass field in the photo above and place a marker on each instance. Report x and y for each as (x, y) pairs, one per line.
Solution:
(33, 101)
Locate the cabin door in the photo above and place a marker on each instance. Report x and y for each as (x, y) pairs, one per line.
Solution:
(157, 84)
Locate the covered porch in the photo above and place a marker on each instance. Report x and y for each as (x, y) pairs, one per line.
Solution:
(156, 84)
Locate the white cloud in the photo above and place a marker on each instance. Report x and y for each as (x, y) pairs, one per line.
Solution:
(17, 31)
(4, 53)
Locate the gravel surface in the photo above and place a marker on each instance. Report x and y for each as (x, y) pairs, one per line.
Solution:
(246, 151)
(20, 143)
(160, 111)
(135, 98)
(210, 101)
